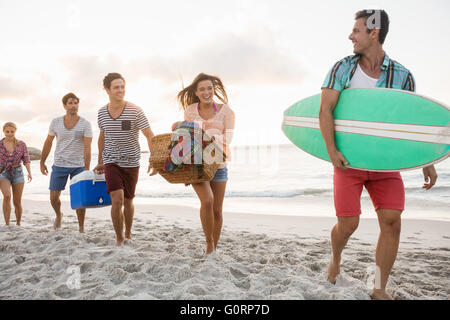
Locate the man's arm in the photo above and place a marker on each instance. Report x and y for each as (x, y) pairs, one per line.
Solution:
(45, 152)
(101, 146)
(87, 152)
(328, 102)
(148, 133)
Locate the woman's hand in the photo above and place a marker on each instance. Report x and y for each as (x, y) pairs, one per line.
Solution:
(153, 170)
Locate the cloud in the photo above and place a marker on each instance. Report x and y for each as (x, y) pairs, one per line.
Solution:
(245, 59)
(14, 88)
(16, 112)
(87, 72)
(252, 58)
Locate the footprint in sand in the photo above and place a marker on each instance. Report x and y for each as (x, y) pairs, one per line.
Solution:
(87, 267)
(117, 276)
(196, 290)
(238, 272)
(108, 253)
(316, 267)
(171, 248)
(244, 284)
(366, 259)
(34, 279)
(19, 259)
(133, 267)
(64, 292)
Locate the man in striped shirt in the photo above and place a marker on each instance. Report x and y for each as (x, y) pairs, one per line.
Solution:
(119, 152)
(72, 154)
(370, 67)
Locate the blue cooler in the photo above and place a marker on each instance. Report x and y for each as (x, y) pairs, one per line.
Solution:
(88, 190)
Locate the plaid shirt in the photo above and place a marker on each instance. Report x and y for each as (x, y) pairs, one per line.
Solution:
(393, 75)
(14, 159)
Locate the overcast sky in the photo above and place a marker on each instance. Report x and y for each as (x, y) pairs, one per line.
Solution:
(269, 54)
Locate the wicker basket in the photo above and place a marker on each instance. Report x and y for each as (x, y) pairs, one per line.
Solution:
(188, 174)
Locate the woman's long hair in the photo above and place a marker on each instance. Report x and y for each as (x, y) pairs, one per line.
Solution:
(187, 96)
(11, 125)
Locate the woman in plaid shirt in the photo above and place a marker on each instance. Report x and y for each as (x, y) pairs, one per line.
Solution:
(12, 153)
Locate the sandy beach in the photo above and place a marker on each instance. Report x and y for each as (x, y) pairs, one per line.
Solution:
(259, 257)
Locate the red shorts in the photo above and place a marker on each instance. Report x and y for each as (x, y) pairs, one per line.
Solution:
(386, 190)
(121, 178)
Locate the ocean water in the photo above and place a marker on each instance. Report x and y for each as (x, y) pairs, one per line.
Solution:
(277, 179)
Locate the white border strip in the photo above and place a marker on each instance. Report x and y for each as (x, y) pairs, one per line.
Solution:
(420, 133)
(422, 129)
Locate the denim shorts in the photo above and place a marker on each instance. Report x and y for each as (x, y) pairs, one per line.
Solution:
(58, 178)
(221, 175)
(18, 175)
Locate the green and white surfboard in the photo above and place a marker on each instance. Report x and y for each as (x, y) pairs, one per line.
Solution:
(375, 129)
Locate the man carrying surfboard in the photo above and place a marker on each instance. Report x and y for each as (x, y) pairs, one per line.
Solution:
(369, 67)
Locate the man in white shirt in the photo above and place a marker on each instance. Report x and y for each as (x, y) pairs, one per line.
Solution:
(72, 154)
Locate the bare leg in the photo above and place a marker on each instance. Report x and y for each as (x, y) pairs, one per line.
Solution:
(81, 213)
(387, 248)
(206, 197)
(5, 186)
(129, 215)
(218, 189)
(340, 234)
(117, 200)
(17, 190)
(56, 204)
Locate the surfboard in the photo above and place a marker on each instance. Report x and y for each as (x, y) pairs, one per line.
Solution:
(375, 129)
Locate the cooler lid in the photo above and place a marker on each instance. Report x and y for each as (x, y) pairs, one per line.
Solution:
(87, 175)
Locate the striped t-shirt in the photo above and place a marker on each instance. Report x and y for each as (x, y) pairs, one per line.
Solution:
(122, 135)
(69, 152)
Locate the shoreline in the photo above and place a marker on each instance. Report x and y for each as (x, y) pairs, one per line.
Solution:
(415, 231)
(299, 206)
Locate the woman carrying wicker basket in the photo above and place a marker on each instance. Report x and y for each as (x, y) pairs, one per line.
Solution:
(217, 121)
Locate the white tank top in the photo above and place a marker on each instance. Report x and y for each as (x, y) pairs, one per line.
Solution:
(362, 80)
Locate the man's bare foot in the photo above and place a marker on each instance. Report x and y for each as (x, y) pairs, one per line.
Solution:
(380, 294)
(209, 247)
(81, 229)
(333, 270)
(128, 236)
(57, 223)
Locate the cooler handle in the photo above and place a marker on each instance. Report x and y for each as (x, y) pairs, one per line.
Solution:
(95, 178)
(100, 177)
